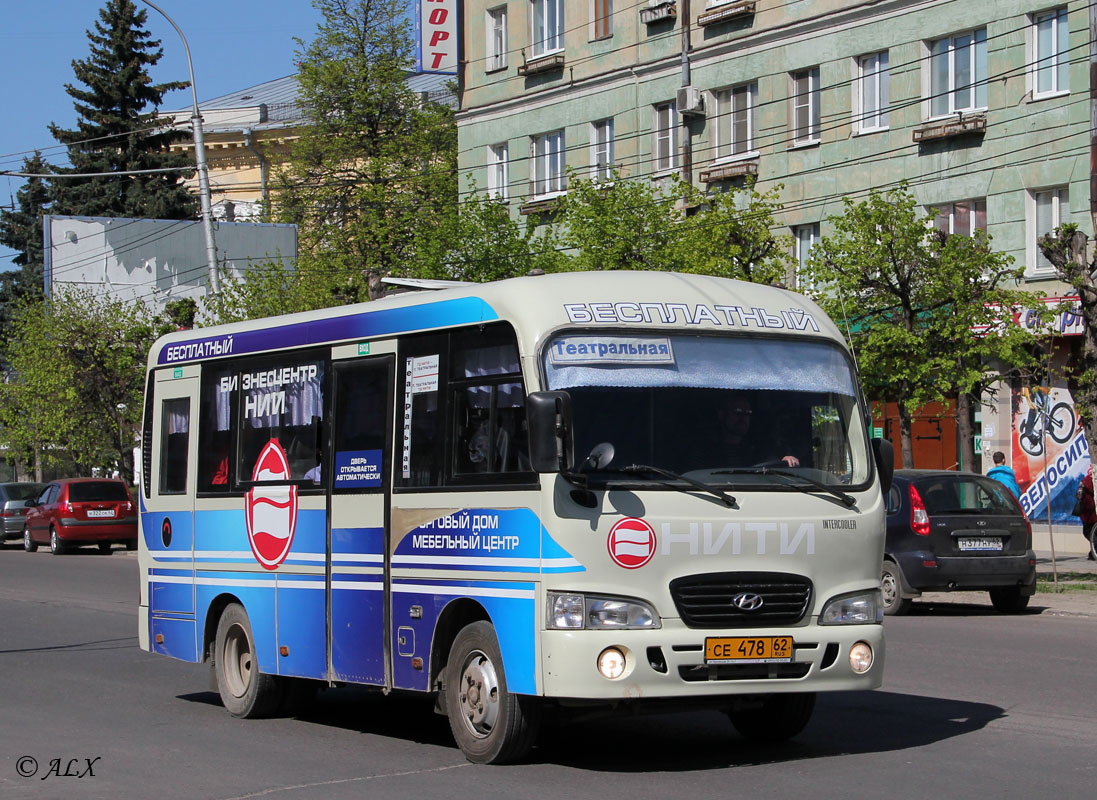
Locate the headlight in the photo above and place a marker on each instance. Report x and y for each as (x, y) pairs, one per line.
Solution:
(860, 608)
(578, 611)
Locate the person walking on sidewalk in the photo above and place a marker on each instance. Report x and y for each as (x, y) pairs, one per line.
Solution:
(1088, 511)
(1003, 474)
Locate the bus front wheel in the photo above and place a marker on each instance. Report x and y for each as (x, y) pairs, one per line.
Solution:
(245, 691)
(778, 717)
(490, 725)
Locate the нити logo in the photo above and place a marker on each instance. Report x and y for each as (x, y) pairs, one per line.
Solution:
(271, 511)
(631, 543)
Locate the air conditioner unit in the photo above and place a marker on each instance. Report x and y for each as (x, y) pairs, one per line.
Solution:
(691, 100)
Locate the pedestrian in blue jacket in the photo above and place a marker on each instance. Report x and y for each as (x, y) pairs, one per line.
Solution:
(1003, 474)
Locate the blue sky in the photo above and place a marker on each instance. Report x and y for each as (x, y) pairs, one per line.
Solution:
(234, 44)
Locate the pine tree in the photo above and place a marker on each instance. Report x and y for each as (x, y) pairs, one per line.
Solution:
(21, 230)
(118, 130)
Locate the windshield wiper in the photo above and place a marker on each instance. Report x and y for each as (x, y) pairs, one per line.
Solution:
(727, 499)
(848, 500)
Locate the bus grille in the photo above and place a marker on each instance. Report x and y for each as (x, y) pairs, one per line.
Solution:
(705, 601)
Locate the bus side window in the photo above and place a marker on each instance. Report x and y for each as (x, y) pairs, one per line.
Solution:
(174, 441)
(216, 408)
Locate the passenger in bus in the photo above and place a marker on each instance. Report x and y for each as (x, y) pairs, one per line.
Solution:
(739, 446)
(314, 473)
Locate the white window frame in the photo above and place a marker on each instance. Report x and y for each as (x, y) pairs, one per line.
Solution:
(496, 38)
(601, 149)
(546, 24)
(800, 234)
(942, 92)
(661, 135)
(805, 100)
(600, 10)
(1054, 64)
(1059, 197)
(947, 211)
(872, 78)
(499, 170)
(548, 161)
(728, 148)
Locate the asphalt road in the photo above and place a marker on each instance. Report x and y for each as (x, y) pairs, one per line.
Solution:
(975, 704)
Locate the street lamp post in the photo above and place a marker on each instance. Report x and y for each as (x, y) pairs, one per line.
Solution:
(200, 159)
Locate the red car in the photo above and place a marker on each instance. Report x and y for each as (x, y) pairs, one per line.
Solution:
(75, 511)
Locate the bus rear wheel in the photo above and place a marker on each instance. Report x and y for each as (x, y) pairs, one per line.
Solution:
(490, 725)
(245, 691)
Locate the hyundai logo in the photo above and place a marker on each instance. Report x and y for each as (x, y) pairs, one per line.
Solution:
(747, 601)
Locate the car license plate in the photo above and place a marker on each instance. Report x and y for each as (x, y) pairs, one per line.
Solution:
(981, 543)
(748, 649)
(101, 512)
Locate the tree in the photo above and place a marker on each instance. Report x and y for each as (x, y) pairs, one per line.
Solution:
(21, 230)
(915, 300)
(377, 163)
(1066, 249)
(118, 129)
(77, 369)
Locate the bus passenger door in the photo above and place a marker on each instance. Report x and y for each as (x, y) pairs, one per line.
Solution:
(167, 511)
(358, 465)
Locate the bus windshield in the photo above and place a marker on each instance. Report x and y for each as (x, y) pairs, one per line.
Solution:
(723, 409)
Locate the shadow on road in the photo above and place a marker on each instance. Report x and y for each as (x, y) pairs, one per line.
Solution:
(844, 723)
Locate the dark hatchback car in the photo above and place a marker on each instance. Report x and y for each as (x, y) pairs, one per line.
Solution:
(956, 531)
(13, 507)
(78, 511)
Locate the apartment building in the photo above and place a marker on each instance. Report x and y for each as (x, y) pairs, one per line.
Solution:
(981, 106)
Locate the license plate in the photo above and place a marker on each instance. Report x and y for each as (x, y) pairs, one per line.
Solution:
(981, 543)
(748, 649)
(101, 512)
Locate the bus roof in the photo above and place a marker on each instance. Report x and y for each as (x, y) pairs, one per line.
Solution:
(535, 305)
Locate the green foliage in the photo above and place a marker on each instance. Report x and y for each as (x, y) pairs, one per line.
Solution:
(375, 170)
(267, 289)
(75, 382)
(117, 128)
(21, 230)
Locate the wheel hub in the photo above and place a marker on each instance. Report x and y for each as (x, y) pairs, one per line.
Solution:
(479, 694)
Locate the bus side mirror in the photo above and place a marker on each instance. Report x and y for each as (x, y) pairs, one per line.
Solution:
(551, 448)
(884, 453)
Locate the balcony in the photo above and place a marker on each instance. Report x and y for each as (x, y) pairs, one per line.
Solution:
(725, 12)
(946, 129)
(544, 64)
(658, 11)
(725, 172)
(547, 205)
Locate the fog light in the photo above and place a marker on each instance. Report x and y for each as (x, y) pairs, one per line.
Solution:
(860, 657)
(611, 663)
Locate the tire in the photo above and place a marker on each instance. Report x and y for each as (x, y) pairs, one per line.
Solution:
(105, 547)
(1033, 445)
(245, 691)
(891, 586)
(1060, 423)
(57, 547)
(1008, 599)
(131, 544)
(1093, 542)
(490, 725)
(777, 719)
(29, 544)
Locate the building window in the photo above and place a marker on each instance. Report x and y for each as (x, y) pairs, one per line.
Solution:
(665, 144)
(601, 19)
(872, 92)
(601, 149)
(547, 19)
(964, 217)
(805, 106)
(735, 120)
(498, 170)
(807, 236)
(958, 73)
(497, 38)
(1052, 209)
(1051, 64)
(548, 163)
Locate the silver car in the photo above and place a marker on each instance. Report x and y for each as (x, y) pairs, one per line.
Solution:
(13, 507)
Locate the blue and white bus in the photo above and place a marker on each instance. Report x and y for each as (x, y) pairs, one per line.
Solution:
(586, 490)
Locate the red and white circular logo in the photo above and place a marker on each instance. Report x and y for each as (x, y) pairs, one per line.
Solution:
(631, 543)
(271, 511)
